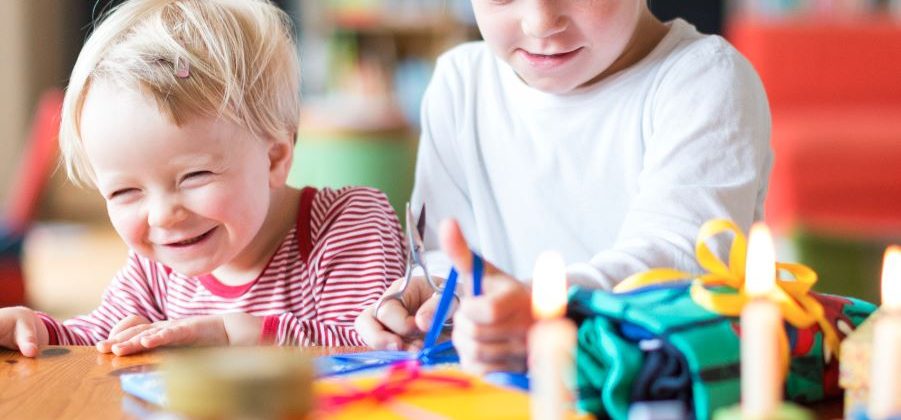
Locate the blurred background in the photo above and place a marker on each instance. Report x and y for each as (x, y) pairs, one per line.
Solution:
(832, 70)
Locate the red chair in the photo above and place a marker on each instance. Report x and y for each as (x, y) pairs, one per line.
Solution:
(835, 92)
(38, 162)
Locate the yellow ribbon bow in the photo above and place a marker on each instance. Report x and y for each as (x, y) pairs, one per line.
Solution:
(798, 307)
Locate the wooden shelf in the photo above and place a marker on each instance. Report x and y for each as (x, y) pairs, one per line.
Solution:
(379, 23)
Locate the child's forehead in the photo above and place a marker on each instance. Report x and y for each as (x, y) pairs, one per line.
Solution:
(114, 96)
(118, 113)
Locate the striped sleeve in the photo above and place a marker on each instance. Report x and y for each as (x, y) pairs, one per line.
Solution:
(357, 253)
(136, 289)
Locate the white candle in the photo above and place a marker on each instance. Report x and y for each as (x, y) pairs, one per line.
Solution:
(552, 339)
(761, 326)
(885, 367)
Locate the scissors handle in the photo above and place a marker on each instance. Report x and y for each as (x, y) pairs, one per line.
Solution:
(399, 295)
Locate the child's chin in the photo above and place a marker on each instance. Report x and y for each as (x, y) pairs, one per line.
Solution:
(189, 269)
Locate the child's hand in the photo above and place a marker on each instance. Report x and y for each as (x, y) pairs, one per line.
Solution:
(396, 327)
(211, 330)
(489, 330)
(21, 329)
(106, 346)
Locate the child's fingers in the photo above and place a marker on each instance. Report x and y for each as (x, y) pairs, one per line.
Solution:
(116, 336)
(503, 331)
(507, 298)
(171, 335)
(126, 347)
(396, 318)
(128, 322)
(132, 344)
(413, 346)
(481, 368)
(26, 338)
(131, 332)
(489, 352)
(426, 313)
(374, 333)
(454, 245)
(106, 346)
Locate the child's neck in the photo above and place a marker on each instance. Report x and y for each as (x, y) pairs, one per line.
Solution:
(248, 265)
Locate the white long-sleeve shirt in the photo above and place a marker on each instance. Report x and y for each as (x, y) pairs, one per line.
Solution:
(618, 176)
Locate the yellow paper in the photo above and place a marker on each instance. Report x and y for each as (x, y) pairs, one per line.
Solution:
(425, 399)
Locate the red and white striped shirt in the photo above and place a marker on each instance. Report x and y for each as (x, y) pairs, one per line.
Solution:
(345, 250)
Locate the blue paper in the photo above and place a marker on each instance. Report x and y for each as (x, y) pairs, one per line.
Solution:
(342, 364)
(147, 386)
(513, 380)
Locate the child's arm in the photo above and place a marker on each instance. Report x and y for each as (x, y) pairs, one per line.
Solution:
(20, 328)
(358, 250)
(136, 334)
(707, 155)
(136, 290)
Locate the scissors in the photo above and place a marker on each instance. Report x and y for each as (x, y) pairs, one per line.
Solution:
(415, 247)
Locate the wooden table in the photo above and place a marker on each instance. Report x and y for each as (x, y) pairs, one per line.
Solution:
(71, 382)
(76, 382)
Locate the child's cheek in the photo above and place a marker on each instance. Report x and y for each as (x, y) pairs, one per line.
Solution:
(214, 202)
(129, 224)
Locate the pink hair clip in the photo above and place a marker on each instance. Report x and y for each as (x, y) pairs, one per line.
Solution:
(182, 68)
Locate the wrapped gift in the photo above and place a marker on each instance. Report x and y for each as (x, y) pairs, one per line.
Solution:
(854, 370)
(668, 335)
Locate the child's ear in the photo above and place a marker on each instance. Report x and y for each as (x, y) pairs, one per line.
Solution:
(281, 154)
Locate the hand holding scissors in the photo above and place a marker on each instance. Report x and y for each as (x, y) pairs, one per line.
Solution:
(489, 330)
(408, 308)
(415, 248)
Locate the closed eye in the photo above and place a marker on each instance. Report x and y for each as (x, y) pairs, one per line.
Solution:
(121, 193)
(196, 176)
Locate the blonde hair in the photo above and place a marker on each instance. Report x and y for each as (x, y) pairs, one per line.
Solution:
(230, 58)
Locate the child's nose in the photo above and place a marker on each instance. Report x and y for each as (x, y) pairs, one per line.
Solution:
(544, 19)
(164, 211)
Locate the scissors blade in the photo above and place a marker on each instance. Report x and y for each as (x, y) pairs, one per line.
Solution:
(420, 225)
(414, 234)
(410, 223)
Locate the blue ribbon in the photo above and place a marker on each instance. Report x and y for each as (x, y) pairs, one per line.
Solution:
(444, 352)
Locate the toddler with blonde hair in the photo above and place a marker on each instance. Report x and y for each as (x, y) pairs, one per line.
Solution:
(183, 113)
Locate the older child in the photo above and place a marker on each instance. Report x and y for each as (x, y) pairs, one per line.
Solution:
(584, 126)
(182, 113)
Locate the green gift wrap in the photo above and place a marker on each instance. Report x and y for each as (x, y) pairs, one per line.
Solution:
(616, 329)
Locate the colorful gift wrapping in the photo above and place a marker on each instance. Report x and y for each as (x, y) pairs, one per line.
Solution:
(854, 369)
(660, 337)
